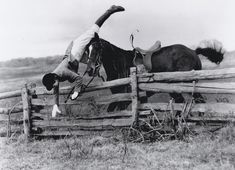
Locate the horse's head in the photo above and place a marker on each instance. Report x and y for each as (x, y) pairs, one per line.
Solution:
(94, 58)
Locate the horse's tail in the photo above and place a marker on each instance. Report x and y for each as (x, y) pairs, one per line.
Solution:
(212, 49)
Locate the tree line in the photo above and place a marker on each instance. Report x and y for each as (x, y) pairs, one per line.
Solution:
(29, 61)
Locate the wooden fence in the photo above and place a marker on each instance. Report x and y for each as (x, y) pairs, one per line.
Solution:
(35, 107)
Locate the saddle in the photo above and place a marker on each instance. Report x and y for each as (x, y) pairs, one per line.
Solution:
(147, 55)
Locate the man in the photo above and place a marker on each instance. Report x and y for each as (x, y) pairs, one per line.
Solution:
(68, 68)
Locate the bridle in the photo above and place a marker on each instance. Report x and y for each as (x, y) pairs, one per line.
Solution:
(97, 61)
(98, 65)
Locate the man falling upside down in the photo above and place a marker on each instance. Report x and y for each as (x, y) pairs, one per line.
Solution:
(68, 69)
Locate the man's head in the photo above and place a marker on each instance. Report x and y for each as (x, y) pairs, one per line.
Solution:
(48, 80)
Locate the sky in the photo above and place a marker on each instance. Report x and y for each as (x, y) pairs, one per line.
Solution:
(40, 28)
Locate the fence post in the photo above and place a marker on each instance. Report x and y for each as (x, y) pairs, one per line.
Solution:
(9, 124)
(26, 99)
(134, 95)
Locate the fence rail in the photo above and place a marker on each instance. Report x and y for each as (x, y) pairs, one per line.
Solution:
(35, 102)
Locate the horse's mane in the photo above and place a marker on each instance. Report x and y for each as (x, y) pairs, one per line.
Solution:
(116, 60)
(114, 48)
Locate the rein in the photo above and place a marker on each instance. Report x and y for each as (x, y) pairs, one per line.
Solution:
(98, 64)
(83, 87)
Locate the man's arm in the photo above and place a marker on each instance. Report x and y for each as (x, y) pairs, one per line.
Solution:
(77, 84)
(56, 94)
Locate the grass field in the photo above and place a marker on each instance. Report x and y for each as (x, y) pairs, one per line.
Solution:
(205, 151)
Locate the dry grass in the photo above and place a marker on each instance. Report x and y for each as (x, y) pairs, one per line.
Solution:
(206, 151)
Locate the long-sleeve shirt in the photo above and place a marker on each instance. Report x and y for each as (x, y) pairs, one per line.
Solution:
(80, 43)
(68, 68)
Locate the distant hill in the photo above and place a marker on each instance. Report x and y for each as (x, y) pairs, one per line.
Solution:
(29, 61)
(229, 60)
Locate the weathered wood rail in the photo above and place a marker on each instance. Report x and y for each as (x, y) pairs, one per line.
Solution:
(36, 102)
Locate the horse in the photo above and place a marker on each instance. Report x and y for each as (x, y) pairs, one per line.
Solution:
(117, 63)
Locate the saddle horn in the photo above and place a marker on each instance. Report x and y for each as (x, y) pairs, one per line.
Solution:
(132, 39)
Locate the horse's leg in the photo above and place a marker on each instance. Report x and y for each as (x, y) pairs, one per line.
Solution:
(198, 99)
(178, 99)
(119, 105)
(113, 105)
(150, 93)
(123, 105)
(144, 99)
(120, 89)
(123, 89)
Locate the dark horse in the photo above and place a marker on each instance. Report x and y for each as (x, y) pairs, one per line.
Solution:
(117, 63)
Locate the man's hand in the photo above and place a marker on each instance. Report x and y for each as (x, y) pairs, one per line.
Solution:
(55, 110)
(74, 95)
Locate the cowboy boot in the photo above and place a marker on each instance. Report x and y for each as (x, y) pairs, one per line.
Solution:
(107, 14)
(115, 8)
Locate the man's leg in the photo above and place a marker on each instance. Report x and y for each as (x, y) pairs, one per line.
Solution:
(81, 43)
(107, 14)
